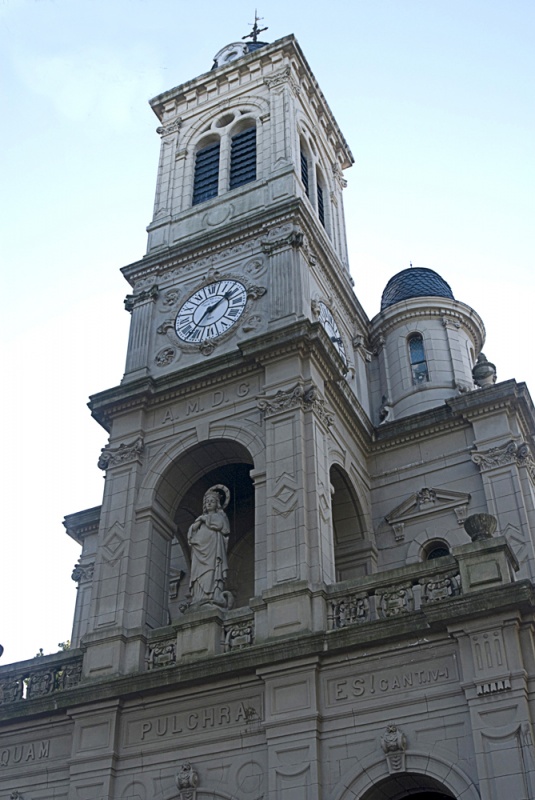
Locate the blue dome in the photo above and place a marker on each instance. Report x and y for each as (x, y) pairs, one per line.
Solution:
(414, 282)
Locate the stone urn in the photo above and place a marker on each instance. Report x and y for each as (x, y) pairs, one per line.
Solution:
(480, 526)
(484, 372)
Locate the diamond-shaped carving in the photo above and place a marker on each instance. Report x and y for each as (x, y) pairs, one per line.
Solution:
(114, 544)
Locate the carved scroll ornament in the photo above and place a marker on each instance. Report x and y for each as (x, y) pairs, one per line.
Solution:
(124, 454)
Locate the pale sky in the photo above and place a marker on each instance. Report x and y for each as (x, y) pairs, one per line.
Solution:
(435, 98)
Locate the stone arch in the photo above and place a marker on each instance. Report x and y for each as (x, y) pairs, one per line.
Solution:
(351, 548)
(416, 548)
(371, 780)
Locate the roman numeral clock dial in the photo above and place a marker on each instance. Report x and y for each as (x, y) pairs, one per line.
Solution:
(211, 311)
(331, 329)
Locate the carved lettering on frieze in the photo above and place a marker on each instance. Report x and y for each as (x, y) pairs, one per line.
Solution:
(394, 744)
(83, 573)
(186, 722)
(171, 127)
(124, 454)
(385, 682)
(197, 405)
(509, 453)
(24, 754)
(165, 356)
(298, 397)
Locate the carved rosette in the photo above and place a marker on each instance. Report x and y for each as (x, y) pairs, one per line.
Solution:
(509, 453)
(299, 397)
(187, 780)
(124, 454)
(394, 744)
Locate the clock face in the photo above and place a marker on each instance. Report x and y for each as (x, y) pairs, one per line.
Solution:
(332, 331)
(211, 311)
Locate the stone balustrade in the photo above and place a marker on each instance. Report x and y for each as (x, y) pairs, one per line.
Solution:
(40, 677)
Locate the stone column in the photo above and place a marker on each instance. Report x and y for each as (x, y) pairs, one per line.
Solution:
(140, 305)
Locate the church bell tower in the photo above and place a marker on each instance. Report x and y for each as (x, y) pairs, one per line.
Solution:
(244, 363)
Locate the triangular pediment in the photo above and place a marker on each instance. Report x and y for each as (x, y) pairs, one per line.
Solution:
(427, 501)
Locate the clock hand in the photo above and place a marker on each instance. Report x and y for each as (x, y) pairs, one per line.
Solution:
(226, 296)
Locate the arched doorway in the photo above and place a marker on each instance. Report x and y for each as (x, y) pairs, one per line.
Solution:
(405, 785)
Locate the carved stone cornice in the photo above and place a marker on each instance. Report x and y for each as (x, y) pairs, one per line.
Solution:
(124, 454)
(282, 77)
(299, 397)
(171, 127)
(83, 573)
(136, 299)
(509, 453)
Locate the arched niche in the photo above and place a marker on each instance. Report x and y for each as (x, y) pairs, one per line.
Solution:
(181, 492)
(351, 550)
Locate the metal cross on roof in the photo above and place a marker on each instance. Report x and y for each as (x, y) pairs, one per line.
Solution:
(256, 30)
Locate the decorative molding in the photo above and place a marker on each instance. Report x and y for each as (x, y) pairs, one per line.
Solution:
(161, 654)
(395, 600)
(440, 587)
(282, 77)
(133, 300)
(171, 127)
(124, 454)
(83, 573)
(350, 610)
(166, 356)
(427, 501)
(501, 456)
(187, 780)
(254, 292)
(298, 397)
(167, 325)
(239, 634)
(493, 686)
(286, 235)
(394, 744)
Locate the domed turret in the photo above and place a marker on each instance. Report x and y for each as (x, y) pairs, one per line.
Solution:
(414, 282)
(427, 344)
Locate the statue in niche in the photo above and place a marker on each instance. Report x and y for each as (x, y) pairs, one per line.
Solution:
(208, 541)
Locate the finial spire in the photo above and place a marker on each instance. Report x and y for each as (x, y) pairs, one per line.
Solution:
(256, 30)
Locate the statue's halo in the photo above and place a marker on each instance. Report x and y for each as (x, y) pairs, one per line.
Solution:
(220, 488)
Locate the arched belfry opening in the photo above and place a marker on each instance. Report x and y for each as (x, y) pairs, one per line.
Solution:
(406, 785)
(348, 528)
(209, 464)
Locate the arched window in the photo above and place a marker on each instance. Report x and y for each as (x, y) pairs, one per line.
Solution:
(436, 549)
(304, 170)
(206, 180)
(243, 158)
(320, 197)
(418, 362)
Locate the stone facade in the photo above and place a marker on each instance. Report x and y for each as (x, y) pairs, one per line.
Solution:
(312, 572)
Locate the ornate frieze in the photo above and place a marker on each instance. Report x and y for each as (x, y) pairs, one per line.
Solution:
(161, 654)
(395, 600)
(440, 587)
(501, 456)
(124, 454)
(287, 235)
(282, 77)
(298, 397)
(350, 610)
(238, 634)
